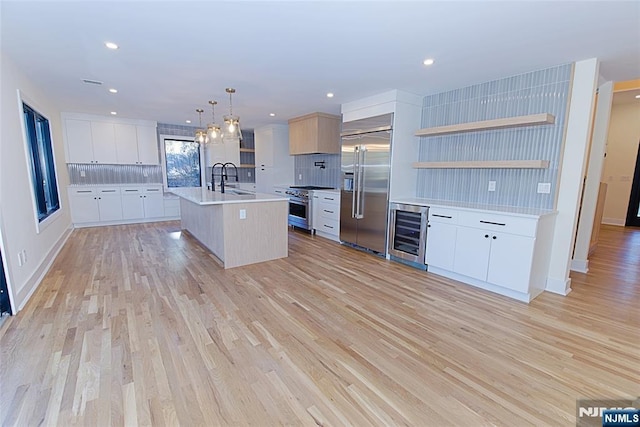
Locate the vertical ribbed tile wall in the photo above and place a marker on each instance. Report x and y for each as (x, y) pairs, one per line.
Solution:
(113, 174)
(544, 91)
(313, 175)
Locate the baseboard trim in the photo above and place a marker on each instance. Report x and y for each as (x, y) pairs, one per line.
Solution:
(25, 293)
(613, 221)
(580, 265)
(558, 286)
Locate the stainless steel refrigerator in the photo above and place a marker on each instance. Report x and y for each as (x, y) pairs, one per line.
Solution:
(366, 147)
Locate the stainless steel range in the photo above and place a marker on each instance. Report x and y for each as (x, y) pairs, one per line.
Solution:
(300, 205)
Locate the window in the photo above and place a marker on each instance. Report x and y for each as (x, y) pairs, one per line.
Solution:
(41, 162)
(182, 161)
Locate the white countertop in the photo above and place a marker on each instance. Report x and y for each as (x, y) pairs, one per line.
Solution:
(202, 196)
(511, 210)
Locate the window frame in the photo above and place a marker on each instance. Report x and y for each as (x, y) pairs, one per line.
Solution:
(37, 108)
(163, 159)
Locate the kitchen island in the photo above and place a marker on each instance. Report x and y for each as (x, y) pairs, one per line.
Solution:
(238, 227)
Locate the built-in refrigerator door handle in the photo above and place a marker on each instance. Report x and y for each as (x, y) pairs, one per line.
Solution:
(354, 190)
(361, 152)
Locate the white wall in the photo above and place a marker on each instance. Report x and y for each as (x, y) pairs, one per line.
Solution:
(619, 165)
(17, 217)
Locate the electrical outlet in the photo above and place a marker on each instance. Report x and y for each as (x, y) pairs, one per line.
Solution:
(492, 186)
(20, 259)
(24, 256)
(544, 187)
(243, 214)
(83, 174)
(249, 174)
(300, 177)
(145, 173)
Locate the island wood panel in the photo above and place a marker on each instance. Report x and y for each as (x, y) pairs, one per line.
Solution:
(262, 236)
(489, 164)
(502, 123)
(205, 224)
(138, 324)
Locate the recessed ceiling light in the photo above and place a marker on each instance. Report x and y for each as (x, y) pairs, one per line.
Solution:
(112, 90)
(428, 61)
(330, 95)
(111, 45)
(113, 113)
(272, 114)
(187, 121)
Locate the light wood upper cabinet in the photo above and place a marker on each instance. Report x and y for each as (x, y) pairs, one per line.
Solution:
(314, 133)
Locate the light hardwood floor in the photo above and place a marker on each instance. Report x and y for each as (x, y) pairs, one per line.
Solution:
(138, 324)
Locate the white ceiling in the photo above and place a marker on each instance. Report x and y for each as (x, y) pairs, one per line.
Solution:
(283, 57)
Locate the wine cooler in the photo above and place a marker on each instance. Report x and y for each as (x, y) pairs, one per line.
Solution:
(408, 232)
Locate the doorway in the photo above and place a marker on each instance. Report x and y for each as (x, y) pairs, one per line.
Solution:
(633, 212)
(5, 304)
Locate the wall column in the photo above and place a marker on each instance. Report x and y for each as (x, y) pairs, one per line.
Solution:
(580, 260)
(581, 104)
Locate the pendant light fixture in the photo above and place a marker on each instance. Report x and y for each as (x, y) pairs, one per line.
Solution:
(200, 134)
(231, 128)
(213, 129)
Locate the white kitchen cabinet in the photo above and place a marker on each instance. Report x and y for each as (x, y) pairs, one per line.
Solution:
(92, 205)
(103, 138)
(441, 238)
(147, 145)
(132, 203)
(172, 207)
(510, 261)
(97, 139)
(84, 205)
(78, 141)
(126, 141)
(274, 165)
(325, 215)
(153, 202)
(472, 252)
(229, 152)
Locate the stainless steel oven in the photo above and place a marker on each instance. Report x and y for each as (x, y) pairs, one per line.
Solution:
(300, 205)
(408, 232)
(299, 212)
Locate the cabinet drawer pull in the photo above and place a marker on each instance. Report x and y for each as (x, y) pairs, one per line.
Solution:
(329, 198)
(84, 191)
(327, 211)
(493, 223)
(486, 236)
(495, 237)
(131, 191)
(108, 191)
(443, 216)
(328, 226)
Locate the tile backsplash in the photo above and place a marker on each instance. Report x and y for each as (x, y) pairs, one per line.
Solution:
(305, 166)
(92, 174)
(543, 91)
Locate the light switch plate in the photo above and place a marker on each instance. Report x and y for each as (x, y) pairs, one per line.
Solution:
(300, 177)
(492, 186)
(544, 187)
(243, 214)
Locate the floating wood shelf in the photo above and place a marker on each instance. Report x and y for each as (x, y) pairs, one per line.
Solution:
(246, 166)
(507, 122)
(492, 164)
(247, 150)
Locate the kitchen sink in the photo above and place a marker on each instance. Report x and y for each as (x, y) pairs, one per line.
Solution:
(238, 192)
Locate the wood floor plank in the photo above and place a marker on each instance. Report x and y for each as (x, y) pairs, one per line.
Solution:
(141, 325)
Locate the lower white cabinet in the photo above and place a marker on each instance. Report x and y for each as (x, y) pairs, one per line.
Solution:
(95, 204)
(113, 205)
(503, 252)
(325, 214)
(441, 238)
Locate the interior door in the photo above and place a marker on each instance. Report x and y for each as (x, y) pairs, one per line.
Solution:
(372, 226)
(633, 212)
